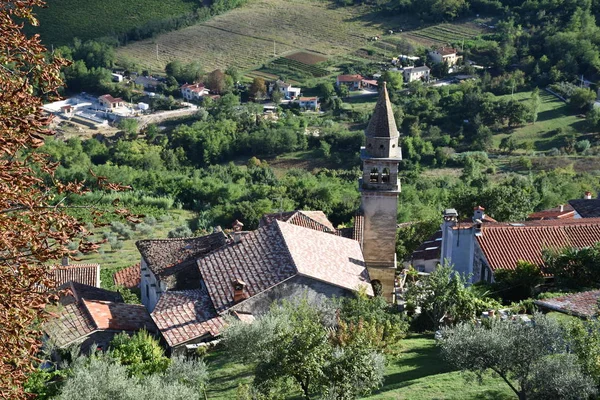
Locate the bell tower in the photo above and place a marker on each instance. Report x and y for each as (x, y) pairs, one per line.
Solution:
(379, 187)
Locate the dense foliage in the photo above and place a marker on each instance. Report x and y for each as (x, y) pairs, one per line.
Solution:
(293, 345)
(532, 359)
(575, 267)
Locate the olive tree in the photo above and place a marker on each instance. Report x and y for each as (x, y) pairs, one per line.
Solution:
(292, 344)
(531, 358)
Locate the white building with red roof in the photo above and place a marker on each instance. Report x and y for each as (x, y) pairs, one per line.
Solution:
(447, 55)
(353, 81)
(194, 91)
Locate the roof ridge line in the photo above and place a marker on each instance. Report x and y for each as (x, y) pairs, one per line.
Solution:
(287, 248)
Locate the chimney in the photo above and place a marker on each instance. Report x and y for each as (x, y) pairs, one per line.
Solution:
(65, 261)
(450, 216)
(561, 208)
(588, 195)
(237, 231)
(478, 213)
(238, 291)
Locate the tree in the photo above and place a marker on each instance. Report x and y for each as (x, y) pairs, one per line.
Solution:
(102, 377)
(35, 228)
(141, 354)
(531, 358)
(276, 96)
(582, 99)
(258, 88)
(292, 342)
(409, 237)
(584, 340)
(508, 143)
(575, 267)
(393, 79)
(534, 104)
(215, 81)
(443, 296)
(518, 284)
(130, 126)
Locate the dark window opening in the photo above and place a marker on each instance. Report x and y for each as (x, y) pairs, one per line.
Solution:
(147, 292)
(393, 146)
(374, 176)
(385, 176)
(381, 147)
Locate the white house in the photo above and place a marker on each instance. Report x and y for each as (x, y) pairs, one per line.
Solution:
(308, 103)
(448, 55)
(288, 91)
(411, 74)
(194, 91)
(109, 102)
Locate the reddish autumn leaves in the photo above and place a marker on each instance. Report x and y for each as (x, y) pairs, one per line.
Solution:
(34, 229)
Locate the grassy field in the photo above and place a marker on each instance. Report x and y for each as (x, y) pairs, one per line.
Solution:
(261, 31)
(112, 261)
(417, 373)
(439, 35)
(64, 20)
(553, 114)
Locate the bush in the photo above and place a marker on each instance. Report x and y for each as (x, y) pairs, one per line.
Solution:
(144, 229)
(150, 220)
(115, 244)
(582, 145)
(180, 232)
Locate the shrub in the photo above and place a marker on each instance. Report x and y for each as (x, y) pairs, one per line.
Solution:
(180, 232)
(115, 244)
(150, 220)
(582, 145)
(144, 229)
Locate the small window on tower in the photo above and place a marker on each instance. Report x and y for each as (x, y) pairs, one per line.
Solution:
(374, 176)
(385, 176)
(380, 147)
(393, 146)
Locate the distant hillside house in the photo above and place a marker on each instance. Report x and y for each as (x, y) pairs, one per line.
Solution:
(288, 91)
(587, 207)
(411, 74)
(109, 102)
(354, 82)
(480, 247)
(308, 103)
(194, 91)
(448, 55)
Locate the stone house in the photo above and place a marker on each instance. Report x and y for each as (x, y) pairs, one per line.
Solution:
(308, 103)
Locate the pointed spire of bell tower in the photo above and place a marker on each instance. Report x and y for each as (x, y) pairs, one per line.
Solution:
(382, 123)
(379, 187)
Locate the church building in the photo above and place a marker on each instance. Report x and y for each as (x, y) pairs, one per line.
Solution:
(190, 285)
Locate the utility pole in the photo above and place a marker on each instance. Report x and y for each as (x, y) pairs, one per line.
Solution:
(156, 51)
(274, 52)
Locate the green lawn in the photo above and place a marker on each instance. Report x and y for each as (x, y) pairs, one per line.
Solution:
(417, 373)
(553, 114)
(111, 261)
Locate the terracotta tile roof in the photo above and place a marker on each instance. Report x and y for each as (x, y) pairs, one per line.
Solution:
(586, 208)
(308, 98)
(80, 291)
(88, 274)
(431, 249)
(349, 78)
(71, 324)
(316, 220)
(446, 51)
(382, 123)
(194, 87)
(328, 258)
(553, 213)
(185, 315)
(584, 304)
(506, 243)
(111, 99)
(166, 256)
(85, 309)
(129, 277)
(277, 252)
(108, 315)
